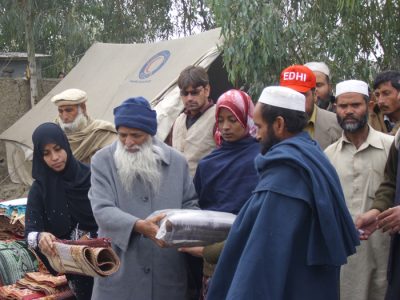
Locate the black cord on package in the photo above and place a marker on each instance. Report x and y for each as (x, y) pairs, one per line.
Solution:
(189, 227)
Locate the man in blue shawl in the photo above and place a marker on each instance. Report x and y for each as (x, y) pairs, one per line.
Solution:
(290, 239)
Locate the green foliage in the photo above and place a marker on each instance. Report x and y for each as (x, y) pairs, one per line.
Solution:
(355, 38)
(65, 29)
(189, 16)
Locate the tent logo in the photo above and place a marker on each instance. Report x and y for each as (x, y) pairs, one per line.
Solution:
(154, 64)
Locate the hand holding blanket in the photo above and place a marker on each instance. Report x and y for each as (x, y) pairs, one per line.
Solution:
(188, 227)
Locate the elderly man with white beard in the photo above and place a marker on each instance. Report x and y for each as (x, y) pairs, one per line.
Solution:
(132, 178)
(84, 134)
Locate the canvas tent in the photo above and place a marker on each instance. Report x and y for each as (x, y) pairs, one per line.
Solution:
(110, 73)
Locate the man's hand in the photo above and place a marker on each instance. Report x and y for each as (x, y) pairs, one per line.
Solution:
(389, 220)
(149, 227)
(367, 223)
(46, 243)
(195, 251)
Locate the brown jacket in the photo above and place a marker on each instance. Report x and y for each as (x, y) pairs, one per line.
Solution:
(384, 196)
(326, 128)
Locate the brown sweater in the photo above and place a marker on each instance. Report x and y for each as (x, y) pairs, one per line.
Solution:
(384, 196)
(211, 255)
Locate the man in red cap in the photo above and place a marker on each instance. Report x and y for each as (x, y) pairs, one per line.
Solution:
(322, 125)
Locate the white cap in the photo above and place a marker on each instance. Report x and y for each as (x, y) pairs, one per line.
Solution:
(316, 66)
(70, 97)
(284, 97)
(352, 86)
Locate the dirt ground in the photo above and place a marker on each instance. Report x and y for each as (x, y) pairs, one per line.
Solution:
(10, 190)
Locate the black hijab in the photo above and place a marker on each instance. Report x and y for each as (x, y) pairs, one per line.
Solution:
(65, 193)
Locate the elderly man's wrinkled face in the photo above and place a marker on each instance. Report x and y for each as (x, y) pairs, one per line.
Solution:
(68, 113)
(132, 138)
(72, 117)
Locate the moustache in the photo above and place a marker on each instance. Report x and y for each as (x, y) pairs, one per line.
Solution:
(350, 118)
(133, 148)
(383, 107)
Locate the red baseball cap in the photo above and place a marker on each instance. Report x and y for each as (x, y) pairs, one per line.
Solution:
(299, 78)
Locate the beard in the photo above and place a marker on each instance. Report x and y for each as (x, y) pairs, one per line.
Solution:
(78, 124)
(270, 141)
(324, 103)
(353, 126)
(139, 167)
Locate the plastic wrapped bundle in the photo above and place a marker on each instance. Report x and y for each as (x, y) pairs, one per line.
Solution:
(188, 227)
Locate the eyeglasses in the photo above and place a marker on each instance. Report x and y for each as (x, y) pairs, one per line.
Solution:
(193, 92)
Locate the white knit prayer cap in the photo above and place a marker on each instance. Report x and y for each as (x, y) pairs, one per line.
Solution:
(70, 97)
(284, 97)
(352, 86)
(317, 66)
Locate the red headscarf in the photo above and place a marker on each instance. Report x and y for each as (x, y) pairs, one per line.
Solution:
(241, 106)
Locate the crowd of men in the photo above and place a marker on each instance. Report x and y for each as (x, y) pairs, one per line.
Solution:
(328, 179)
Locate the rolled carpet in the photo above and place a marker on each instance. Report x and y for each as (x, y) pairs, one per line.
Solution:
(85, 257)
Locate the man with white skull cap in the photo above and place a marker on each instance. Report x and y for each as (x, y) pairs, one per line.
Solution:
(323, 89)
(291, 237)
(85, 135)
(359, 157)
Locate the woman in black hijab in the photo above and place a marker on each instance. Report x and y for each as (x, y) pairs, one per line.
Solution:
(58, 204)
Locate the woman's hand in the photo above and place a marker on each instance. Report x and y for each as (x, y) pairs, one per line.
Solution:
(195, 251)
(46, 243)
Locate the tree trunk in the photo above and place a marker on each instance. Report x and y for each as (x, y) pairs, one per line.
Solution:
(30, 45)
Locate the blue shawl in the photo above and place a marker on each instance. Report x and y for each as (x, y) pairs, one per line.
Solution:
(333, 235)
(225, 178)
(291, 237)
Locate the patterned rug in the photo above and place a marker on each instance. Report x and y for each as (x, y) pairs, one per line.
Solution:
(66, 295)
(15, 292)
(37, 285)
(15, 229)
(47, 279)
(12, 218)
(85, 257)
(15, 260)
(40, 287)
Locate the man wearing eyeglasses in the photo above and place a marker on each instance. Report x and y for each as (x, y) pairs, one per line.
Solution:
(193, 132)
(193, 136)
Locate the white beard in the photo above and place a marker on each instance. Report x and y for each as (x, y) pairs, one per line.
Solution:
(140, 167)
(78, 124)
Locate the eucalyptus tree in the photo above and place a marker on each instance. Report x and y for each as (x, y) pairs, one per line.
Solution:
(65, 29)
(60, 28)
(355, 38)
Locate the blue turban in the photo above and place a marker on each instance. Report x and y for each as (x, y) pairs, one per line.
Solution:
(136, 113)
